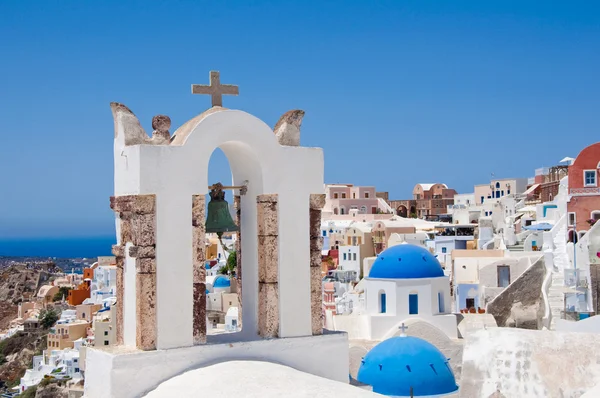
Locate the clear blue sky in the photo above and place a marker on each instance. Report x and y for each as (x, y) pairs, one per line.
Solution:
(396, 92)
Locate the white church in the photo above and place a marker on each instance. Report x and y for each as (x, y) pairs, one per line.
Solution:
(405, 283)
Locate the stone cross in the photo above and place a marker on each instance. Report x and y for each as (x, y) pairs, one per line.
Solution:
(403, 329)
(215, 89)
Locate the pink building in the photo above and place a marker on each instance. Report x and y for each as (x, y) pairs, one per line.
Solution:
(341, 199)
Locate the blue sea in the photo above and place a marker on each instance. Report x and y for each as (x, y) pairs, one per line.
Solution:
(57, 247)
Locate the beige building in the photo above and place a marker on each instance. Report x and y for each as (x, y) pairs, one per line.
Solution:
(86, 312)
(359, 234)
(499, 188)
(105, 332)
(46, 293)
(63, 335)
(383, 230)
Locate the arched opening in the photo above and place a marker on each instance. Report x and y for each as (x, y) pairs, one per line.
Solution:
(572, 237)
(221, 255)
(402, 211)
(342, 210)
(413, 212)
(363, 210)
(382, 302)
(413, 303)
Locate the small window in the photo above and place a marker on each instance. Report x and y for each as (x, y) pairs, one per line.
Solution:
(413, 304)
(343, 195)
(443, 250)
(230, 303)
(354, 256)
(497, 185)
(353, 195)
(501, 193)
(589, 178)
(105, 342)
(503, 275)
(76, 370)
(366, 195)
(482, 199)
(508, 192)
(106, 332)
(572, 219)
(344, 256)
(324, 233)
(335, 195)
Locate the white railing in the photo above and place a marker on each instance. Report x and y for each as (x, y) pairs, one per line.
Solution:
(584, 191)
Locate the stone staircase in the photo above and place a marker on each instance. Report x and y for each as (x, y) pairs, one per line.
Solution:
(561, 262)
(516, 248)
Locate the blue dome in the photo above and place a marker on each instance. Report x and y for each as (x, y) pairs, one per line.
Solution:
(222, 282)
(396, 364)
(406, 262)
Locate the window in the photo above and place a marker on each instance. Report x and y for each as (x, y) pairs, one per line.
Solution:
(344, 256)
(441, 308)
(501, 193)
(75, 360)
(589, 178)
(106, 332)
(335, 210)
(343, 195)
(359, 242)
(497, 194)
(497, 185)
(366, 195)
(342, 210)
(353, 195)
(443, 250)
(353, 256)
(324, 233)
(363, 209)
(572, 219)
(83, 315)
(508, 192)
(482, 199)
(76, 370)
(105, 342)
(373, 210)
(503, 275)
(335, 195)
(470, 302)
(413, 303)
(382, 302)
(595, 215)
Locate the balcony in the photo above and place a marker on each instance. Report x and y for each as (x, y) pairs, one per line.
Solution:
(591, 191)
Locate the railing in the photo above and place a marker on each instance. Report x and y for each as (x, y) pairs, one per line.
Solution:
(584, 191)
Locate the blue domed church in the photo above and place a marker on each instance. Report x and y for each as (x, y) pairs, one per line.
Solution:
(407, 282)
(401, 366)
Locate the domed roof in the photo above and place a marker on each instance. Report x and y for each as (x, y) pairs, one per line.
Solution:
(406, 262)
(396, 364)
(222, 281)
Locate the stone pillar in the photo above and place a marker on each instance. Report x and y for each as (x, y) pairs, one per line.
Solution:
(199, 264)
(137, 215)
(119, 252)
(317, 201)
(268, 265)
(237, 203)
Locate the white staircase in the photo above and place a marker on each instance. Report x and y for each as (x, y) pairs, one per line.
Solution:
(560, 263)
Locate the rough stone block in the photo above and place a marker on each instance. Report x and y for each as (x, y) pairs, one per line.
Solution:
(145, 266)
(139, 204)
(199, 321)
(199, 245)
(268, 259)
(146, 311)
(142, 251)
(118, 251)
(198, 210)
(316, 307)
(268, 310)
(268, 222)
(119, 304)
(126, 231)
(316, 258)
(199, 273)
(316, 280)
(144, 230)
(317, 201)
(315, 223)
(267, 198)
(316, 243)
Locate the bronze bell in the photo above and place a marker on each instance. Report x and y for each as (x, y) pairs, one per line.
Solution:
(218, 219)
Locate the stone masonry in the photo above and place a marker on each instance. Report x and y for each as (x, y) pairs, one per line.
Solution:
(317, 201)
(137, 215)
(268, 265)
(237, 204)
(199, 259)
